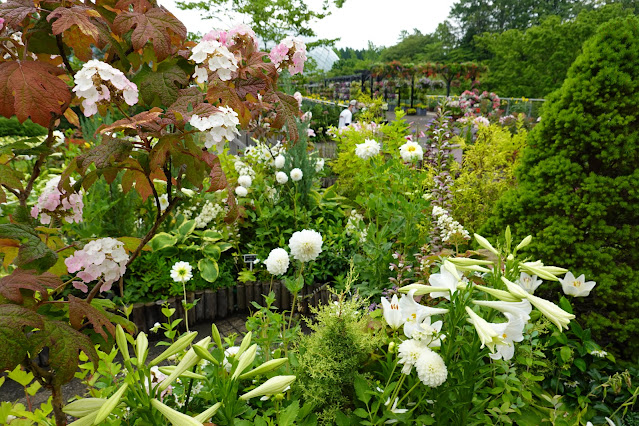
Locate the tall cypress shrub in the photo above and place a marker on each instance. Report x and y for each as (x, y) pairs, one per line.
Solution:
(578, 183)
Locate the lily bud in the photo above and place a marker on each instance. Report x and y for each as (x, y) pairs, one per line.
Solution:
(245, 360)
(421, 289)
(524, 243)
(485, 244)
(189, 360)
(215, 334)
(177, 346)
(168, 370)
(123, 345)
(205, 354)
(499, 294)
(205, 415)
(141, 346)
(272, 386)
(246, 341)
(109, 405)
(84, 407)
(265, 368)
(175, 417)
(514, 289)
(554, 313)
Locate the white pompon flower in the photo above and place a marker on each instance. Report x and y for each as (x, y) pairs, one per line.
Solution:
(409, 352)
(281, 177)
(370, 148)
(529, 283)
(305, 245)
(245, 181)
(277, 261)
(431, 368)
(411, 151)
(181, 272)
(280, 160)
(391, 312)
(296, 175)
(577, 287)
(240, 191)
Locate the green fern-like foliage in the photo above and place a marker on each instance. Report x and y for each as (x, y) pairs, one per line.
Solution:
(331, 355)
(578, 187)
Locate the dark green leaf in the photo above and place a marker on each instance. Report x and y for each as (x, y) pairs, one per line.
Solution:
(13, 319)
(33, 253)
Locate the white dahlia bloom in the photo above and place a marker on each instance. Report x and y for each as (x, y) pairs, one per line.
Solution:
(281, 177)
(431, 369)
(245, 181)
(277, 261)
(409, 352)
(241, 191)
(280, 160)
(411, 151)
(305, 245)
(296, 175)
(181, 272)
(370, 148)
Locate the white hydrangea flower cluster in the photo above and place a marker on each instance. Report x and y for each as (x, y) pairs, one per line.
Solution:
(204, 213)
(262, 153)
(277, 261)
(216, 58)
(369, 149)
(243, 169)
(353, 226)
(99, 82)
(53, 203)
(305, 245)
(103, 258)
(448, 226)
(220, 127)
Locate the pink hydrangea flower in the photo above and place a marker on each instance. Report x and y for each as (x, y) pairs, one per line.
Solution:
(53, 203)
(291, 53)
(96, 81)
(104, 258)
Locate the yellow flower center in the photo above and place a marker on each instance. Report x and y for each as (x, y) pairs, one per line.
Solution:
(411, 148)
(576, 283)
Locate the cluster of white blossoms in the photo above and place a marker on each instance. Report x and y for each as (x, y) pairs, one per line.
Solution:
(369, 149)
(262, 153)
(411, 151)
(99, 82)
(204, 214)
(277, 261)
(181, 272)
(220, 127)
(448, 226)
(422, 334)
(354, 226)
(305, 245)
(53, 203)
(243, 169)
(477, 122)
(216, 58)
(104, 258)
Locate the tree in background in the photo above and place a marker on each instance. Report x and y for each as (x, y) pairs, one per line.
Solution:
(534, 62)
(272, 20)
(577, 192)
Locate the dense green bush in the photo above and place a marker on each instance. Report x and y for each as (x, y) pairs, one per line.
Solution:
(578, 182)
(12, 127)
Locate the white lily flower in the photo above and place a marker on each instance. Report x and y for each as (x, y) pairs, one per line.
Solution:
(577, 287)
(511, 331)
(487, 335)
(520, 309)
(394, 408)
(529, 283)
(445, 280)
(391, 311)
(411, 311)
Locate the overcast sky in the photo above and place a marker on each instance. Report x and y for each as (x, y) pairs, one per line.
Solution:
(357, 22)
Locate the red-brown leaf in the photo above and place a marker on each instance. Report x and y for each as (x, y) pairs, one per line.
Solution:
(287, 110)
(138, 5)
(156, 25)
(80, 309)
(217, 177)
(79, 16)
(111, 150)
(146, 119)
(14, 11)
(22, 279)
(32, 90)
(234, 210)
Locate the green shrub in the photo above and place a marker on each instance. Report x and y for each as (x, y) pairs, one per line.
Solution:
(331, 355)
(12, 127)
(578, 190)
(486, 174)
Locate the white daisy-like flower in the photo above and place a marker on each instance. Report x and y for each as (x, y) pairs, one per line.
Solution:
(411, 151)
(281, 177)
(370, 148)
(245, 181)
(277, 261)
(296, 175)
(241, 191)
(305, 245)
(181, 272)
(431, 369)
(409, 352)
